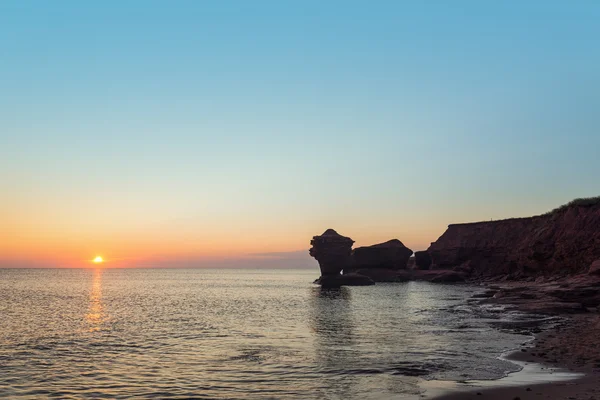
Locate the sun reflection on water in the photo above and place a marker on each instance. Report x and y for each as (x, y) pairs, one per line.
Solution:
(96, 315)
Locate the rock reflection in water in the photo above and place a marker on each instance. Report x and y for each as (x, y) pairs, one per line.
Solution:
(332, 323)
(349, 350)
(333, 328)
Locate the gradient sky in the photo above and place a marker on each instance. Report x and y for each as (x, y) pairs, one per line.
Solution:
(227, 133)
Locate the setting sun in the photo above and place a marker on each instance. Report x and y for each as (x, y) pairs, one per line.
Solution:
(98, 260)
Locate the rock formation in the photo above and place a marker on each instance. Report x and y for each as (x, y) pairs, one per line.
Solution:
(382, 262)
(351, 279)
(422, 260)
(392, 255)
(565, 241)
(333, 252)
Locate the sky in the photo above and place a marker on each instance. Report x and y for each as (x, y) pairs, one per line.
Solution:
(228, 133)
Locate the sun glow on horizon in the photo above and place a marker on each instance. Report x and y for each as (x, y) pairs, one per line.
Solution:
(98, 260)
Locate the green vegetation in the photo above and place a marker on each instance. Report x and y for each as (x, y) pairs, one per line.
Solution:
(581, 202)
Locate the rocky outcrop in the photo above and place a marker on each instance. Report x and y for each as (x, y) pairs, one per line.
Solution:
(578, 293)
(563, 242)
(422, 260)
(351, 279)
(333, 252)
(363, 266)
(392, 255)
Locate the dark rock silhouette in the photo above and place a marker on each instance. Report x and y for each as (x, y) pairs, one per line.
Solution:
(350, 279)
(384, 262)
(422, 260)
(392, 255)
(333, 252)
(550, 247)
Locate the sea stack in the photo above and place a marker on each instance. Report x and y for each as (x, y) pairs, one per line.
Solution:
(333, 252)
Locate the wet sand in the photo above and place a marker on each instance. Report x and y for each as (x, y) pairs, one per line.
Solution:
(561, 363)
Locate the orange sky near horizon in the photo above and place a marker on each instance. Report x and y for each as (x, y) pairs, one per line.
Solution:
(131, 250)
(59, 241)
(67, 236)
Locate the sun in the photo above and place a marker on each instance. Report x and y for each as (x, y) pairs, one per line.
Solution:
(98, 260)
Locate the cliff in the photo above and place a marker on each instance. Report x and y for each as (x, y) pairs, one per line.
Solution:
(562, 242)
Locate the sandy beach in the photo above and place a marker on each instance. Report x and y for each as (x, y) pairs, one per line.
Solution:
(571, 347)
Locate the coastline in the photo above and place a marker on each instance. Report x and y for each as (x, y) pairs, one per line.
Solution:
(562, 362)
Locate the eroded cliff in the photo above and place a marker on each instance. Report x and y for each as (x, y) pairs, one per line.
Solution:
(565, 241)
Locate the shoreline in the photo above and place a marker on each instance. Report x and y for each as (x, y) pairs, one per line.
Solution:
(562, 362)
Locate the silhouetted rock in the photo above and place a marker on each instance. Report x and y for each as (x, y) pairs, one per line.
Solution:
(384, 262)
(351, 279)
(422, 260)
(389, 255)
(333, 252)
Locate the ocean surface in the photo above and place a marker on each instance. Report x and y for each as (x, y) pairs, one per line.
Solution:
(251, 334)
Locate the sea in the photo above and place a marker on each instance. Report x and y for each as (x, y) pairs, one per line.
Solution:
(242, 334)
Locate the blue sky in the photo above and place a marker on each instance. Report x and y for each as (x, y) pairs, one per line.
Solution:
(237, 127)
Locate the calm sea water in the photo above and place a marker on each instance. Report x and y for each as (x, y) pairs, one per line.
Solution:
(238, 334)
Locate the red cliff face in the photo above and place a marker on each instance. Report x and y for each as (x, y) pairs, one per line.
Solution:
(565, 241)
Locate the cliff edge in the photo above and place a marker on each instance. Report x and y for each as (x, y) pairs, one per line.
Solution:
(564, 241)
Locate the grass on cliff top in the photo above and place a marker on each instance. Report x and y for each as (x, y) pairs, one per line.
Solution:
(582, 202)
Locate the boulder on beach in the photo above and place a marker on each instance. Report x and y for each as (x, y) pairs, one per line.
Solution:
(392, 255)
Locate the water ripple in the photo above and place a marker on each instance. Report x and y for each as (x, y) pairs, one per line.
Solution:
(239, 334)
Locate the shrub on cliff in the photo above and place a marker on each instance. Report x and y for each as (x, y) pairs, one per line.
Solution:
(581, 202)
